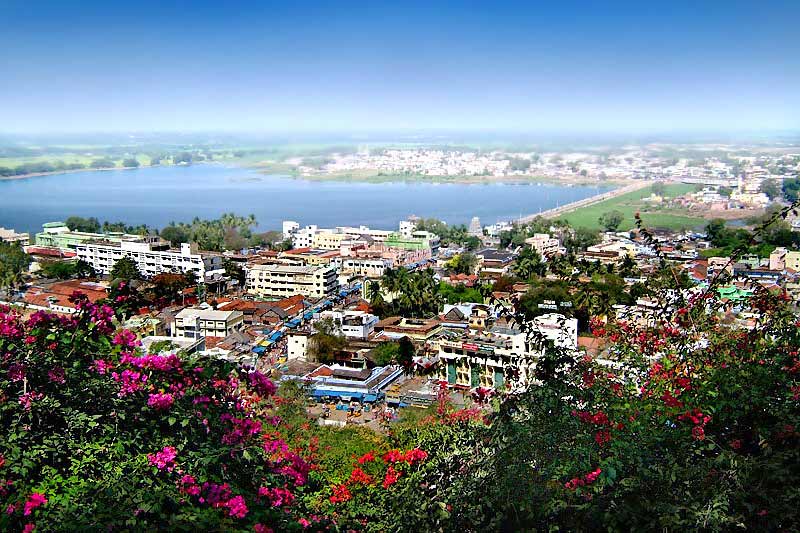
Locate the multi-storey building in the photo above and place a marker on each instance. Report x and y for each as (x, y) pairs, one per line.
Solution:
(58, 235)
(152, 257)
(544, 245)
(353, 324)
(488, 359)
(287, 280)
(194, 323)
(9, 235)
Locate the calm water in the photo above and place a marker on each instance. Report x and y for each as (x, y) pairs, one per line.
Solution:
(156, 196)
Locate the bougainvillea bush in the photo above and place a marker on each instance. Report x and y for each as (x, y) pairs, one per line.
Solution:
(97, 435)
(686, 422)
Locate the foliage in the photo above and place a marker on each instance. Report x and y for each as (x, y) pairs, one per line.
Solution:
(102, 163)
(611, 220)
(791, 189)
(67, 269)
(414, 294)
(771, 188)
(125, 269)
(457, 235)
(464, 263)
(13, 264)
(130, 441)
(130, 162)
(528, 264)
(326, 343)
(88, 225)
(453, 294)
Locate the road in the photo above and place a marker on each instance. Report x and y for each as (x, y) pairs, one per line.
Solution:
(568, 208)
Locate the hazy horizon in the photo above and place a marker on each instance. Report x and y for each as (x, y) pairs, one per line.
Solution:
(320, 67)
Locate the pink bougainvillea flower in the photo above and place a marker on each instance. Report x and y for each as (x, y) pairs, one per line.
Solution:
(160, 401)
(165, 459)
(36, 499)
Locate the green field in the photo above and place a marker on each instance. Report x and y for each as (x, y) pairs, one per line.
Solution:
(628, 204)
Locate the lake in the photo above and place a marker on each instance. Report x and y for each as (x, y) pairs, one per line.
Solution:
(158, 195)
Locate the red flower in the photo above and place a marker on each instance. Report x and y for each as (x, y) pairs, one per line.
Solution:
(415, 455)
(393, 456)
(391, 478)
(340, 494)
(360, 477)
(366, 458)
(698, 433)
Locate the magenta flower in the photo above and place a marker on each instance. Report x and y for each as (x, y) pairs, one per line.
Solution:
(57, 375)
(160, 401)
(35, 500)
(165, 459)
(236, 507)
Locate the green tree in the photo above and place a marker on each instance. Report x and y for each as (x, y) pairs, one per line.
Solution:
(325, 344)
(102, 163)
(658, 188)
(57, 269)
(130, 162)
(13, 264)
(464, 263)
(234, 271)
(611, 220)
(771, 188)
(89, 225)
(125, 269)
(529, 264)
(791, 189)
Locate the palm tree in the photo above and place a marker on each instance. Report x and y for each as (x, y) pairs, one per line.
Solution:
(374, 293)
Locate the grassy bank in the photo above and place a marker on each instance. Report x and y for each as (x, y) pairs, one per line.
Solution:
(631, 203)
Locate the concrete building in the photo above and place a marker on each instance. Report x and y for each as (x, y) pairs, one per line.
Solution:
(297, 345)
(58, 235)
(289, 227)
(9, 235)
(777, 259)
(352, 324)
(544, 245)
(487, 359)
(327, 240)
(152, 257)
(792, 261)
(368, 267)
(287, 280)
(194, 323)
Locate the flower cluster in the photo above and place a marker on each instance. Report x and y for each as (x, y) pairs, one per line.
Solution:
(129, 381)
(160, 401)
(588, 479)
(164, 459)
(276, 496)
(340, 494)
(699, 420)
(35, 500)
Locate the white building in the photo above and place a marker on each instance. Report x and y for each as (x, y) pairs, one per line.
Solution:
(353, 324)
(193, 323)
(9, 235)
(289, 227)
(152, 257)
(288, 280)
(544, 245)
(297, 344)
(368, 267)
(487, 359)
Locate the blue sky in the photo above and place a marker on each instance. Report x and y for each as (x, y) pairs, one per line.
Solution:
(350, 66)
